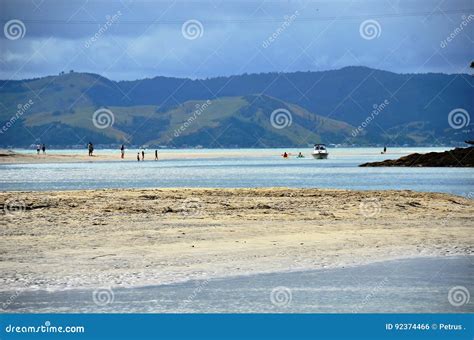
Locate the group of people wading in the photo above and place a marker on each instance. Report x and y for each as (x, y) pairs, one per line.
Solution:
(140, 154)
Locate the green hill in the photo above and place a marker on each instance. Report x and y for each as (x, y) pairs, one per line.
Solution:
(325, 106)
(222, 122)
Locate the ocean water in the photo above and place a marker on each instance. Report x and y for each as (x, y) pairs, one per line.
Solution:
(422, 285)
(241, 168)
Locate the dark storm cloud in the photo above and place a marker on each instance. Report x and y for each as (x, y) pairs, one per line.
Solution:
(135, 39)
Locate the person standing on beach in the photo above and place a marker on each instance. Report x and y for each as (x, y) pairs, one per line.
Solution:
(143, 155)
(122, 151)
(44, 148)
(90, 147)
(138, 156)
(156, 155)
(38, 148)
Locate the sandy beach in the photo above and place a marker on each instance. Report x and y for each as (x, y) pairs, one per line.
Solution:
(124, 238)
(10, 157)
(79, 156)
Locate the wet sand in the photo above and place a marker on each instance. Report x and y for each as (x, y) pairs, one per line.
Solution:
(130, 238)
(10, 157)
(59, 156)
(421, 285)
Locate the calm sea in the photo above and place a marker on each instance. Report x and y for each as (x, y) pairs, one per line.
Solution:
(241, 168)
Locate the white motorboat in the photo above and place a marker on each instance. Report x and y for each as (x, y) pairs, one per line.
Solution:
(320, 151)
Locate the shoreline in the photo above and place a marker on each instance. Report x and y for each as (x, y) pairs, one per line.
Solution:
(8, 157)
(81, 157)
(365, 288)
(233, 276)
(83, 239)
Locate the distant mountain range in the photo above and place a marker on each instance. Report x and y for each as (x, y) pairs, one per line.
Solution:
(350, 106)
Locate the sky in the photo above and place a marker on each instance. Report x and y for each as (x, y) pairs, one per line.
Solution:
(136, 39)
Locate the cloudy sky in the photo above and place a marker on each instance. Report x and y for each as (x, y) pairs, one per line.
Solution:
(133, 39)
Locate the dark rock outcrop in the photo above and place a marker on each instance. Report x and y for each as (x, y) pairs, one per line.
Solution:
(459, 157)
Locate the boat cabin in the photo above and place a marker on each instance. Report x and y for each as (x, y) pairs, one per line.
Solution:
(319, 147)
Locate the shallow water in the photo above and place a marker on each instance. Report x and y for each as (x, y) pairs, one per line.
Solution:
(420, 285)
(242, 168)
